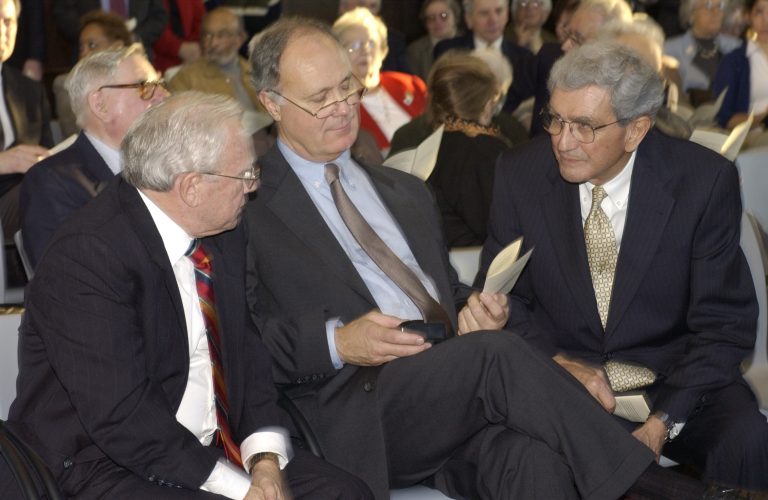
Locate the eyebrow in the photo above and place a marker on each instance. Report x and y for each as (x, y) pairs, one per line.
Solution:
(325, 90)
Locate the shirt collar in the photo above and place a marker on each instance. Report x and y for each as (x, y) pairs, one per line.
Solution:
(310, 171)
(617, 188)
(111, 156)
(481, 44)
(175, 239)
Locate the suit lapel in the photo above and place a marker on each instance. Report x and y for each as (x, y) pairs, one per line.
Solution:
(649, 209)
(288, 200)
(562, 212)
(137, 212)
(93, 164)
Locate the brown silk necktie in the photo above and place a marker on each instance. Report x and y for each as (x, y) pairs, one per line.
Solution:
(381, 254)
(203, 279)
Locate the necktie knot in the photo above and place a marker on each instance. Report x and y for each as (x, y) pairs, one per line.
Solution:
(598, 195)
(331, 173)
(199, 257)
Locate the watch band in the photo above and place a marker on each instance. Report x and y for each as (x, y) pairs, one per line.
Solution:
(264, 455)
(673, 428)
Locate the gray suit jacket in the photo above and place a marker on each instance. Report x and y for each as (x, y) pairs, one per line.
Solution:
(299, 277)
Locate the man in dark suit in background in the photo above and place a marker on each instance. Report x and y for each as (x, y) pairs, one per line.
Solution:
(25, 131)
(140, 373)
(486, 20)
(637, 281)
(339, 255)
(109, 91)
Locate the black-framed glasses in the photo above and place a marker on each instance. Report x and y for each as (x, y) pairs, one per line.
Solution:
(250, 177)
(431, 18)
(327, 110)
(581, 131)
(146, 88)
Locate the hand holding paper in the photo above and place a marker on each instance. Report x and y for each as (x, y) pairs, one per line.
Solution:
(506, 268)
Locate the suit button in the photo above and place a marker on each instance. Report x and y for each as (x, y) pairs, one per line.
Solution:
(152, 478)
(68, 463)
(368, 386)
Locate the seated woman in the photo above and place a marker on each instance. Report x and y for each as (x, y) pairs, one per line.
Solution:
(440, 18)
(463, 93)
(392, 98)
(744, 72)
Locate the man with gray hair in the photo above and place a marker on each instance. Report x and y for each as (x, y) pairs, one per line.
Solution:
(637, 281)
(350, 286)
(108, 91)
(140, 374)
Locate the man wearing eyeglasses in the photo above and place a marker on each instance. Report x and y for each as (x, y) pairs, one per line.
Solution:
(340, 256)
(109, 90)
(637, 281)
(140, 373)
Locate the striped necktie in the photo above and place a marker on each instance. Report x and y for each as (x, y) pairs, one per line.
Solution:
(203, 279)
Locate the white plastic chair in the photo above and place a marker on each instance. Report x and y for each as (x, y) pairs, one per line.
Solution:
(466, 262)
(9, 365)
(28, 269)
(753, 170)
(7, 295)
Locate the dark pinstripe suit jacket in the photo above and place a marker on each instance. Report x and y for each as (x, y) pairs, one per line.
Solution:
(683, 300)
(104, 355)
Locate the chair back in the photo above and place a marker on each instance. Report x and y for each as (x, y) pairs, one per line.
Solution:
(28, 269)
(753, 170)
(9, 366)
(756, 366)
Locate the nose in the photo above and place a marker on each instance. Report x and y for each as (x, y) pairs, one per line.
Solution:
(565, 140)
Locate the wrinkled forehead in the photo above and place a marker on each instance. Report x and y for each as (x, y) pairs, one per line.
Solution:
(312, 62)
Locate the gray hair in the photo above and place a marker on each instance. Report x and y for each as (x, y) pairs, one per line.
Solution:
(610, 9)
(184, 133)
(545, 4)
(469, 5)
(498, 64)
(92, 72)
(267, 47)
(687, 7)
(362, 17)
(642, 26)
(634, 87)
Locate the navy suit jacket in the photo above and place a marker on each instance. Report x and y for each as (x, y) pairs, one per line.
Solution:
(545, 59)
(683, 301)
(55, 188)
(30, 116)
(104, 354)
(521, 59)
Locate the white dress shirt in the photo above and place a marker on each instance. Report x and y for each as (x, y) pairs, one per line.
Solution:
(197, 411)
(615, 204)
(111, 156)
(482, 44)
(758, 76)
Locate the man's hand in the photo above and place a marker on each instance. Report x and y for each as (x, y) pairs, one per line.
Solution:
(652, 434)
(18, 159)
(374, 339)
(33, 69)
(189, 52)
(484, 311)
(591, 377)
(267, 482)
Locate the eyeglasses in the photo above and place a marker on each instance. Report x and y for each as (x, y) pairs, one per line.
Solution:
(146, 88)
(533, 4)
(711, 5)
(250, 177)
(582, 132)
(431, 18)
(359, 45)
(327, 110)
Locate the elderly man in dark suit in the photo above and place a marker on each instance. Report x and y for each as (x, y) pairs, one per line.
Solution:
(637, 281)
(25, 131)
(140, 373)
(486, 20)
(109, 91)
(340, 255)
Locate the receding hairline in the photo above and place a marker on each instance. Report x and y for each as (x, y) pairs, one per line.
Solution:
(308, 33)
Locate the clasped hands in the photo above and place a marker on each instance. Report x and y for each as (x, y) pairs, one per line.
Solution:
(652, 433)
(374, 338)
(267, 482)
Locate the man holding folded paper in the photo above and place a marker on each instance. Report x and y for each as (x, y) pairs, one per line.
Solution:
(637, 281)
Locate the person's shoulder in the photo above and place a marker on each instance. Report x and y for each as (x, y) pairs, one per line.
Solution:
(404, 80)
(464, 41)
(683, 156)
(728, 43)
(676, 44)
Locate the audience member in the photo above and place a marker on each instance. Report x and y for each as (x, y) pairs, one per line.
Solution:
(701, 47)
(146, 19)
(526, 28)
(486, 20)
(583, 26)
(440, 18)
(744, 73)
(222, 70)
(180, 41)
(383, 403)
(396, 58)
(256, 14)
(463, 93)
(637, 281)
(107, 101)
(134, 380)
(561, 13)
(391, 99)
(414, 132)
(29, 55)
(99, 30)
(25, 130)
(736, 19)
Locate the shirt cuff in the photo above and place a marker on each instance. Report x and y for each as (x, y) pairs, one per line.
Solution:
(269, 439)
(228, 480)
(330, 331)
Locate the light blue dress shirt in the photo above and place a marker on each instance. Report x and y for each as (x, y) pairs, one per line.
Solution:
(389, 298)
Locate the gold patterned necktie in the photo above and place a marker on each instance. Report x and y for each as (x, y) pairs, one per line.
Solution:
(381, 254)
(601, 252)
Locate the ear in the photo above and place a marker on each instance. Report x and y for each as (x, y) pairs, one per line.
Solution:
(266, 99)
(189, 187)
(636, 131)
(98, 106)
